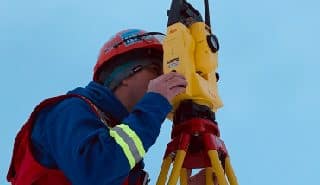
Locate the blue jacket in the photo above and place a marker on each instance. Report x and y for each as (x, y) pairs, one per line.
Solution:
(69, 136)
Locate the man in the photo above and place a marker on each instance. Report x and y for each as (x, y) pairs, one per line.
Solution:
(100, 133)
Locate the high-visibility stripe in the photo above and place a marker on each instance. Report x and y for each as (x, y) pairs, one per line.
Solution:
(124, 147)
(130, 143)
(126, 138)
(135, 137)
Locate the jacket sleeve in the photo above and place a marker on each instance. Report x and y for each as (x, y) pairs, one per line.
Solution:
(73, 139)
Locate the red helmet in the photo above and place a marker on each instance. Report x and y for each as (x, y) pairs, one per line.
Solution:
(125, 41)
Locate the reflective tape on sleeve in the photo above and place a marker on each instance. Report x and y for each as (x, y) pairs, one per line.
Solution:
(129, 142)
(124, 146)
(137, 141)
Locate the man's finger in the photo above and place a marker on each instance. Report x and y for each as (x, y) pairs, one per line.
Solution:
(176, 82)
(172, 75)
(178, 90)
(177, 76)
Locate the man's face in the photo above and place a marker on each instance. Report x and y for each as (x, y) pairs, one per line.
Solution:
(138, 83)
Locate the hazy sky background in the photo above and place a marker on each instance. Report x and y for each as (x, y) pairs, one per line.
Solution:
(269, 68)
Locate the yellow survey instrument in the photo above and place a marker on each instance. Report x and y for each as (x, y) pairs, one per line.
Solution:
(191, 49)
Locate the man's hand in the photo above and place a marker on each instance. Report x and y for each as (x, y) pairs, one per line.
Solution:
(168, 85)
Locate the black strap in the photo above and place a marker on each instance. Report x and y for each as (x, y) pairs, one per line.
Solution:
(106, 118)
(138, 177)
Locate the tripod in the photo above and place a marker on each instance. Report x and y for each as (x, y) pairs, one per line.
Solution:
(190, 48)
(196, 144)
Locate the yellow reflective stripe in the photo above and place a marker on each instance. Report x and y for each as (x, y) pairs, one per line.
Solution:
(129, 141)
(124, 147)
(136, 139)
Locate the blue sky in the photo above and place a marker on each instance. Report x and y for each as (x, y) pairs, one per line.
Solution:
(269, 67)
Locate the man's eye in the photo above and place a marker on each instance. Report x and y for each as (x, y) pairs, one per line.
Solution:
(156, 69)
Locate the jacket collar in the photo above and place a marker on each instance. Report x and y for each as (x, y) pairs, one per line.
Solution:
(103, 98)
